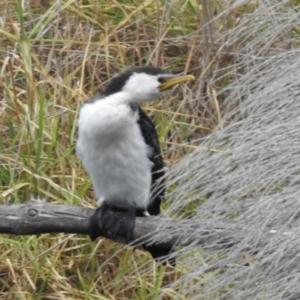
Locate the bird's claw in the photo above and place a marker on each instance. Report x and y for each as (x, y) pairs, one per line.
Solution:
(110, 223)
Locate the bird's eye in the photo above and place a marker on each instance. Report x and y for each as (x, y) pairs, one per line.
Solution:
(161, 79)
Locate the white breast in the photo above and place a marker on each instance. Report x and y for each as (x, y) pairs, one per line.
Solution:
(114, 153)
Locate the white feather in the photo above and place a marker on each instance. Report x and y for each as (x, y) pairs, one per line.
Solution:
(113, 152)
(142, 87)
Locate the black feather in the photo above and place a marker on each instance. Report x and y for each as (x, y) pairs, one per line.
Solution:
(158, 186)
(117, 83)
(157, 172)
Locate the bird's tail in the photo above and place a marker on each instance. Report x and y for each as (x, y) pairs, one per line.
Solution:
(162, 253)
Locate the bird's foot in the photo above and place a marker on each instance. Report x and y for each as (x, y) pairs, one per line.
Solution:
(112, 223)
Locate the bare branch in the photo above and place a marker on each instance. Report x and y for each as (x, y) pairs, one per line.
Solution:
(37, 217)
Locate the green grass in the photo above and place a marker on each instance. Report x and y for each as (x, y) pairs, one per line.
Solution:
(54, 56)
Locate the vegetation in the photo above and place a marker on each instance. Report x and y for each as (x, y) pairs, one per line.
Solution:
(53, 56)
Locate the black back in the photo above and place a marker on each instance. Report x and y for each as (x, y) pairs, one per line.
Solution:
(158, 174)
(160, 251)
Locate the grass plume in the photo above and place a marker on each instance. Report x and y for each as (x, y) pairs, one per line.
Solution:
(230, 141)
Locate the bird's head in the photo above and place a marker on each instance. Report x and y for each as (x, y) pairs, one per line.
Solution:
(145, 83)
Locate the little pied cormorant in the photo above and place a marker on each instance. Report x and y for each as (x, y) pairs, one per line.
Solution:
(119, 148)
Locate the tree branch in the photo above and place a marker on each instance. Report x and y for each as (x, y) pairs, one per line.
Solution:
(37, 217)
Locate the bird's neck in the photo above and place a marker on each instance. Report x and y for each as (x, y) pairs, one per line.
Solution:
(122, 97)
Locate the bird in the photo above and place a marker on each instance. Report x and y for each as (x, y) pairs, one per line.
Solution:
(119, 147)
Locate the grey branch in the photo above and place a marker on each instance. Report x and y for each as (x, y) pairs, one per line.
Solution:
(37, 217)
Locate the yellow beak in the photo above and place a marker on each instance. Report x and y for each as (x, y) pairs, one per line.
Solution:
(171, 80)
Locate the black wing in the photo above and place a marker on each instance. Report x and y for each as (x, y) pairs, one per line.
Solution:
(160, 251)
(158, 174)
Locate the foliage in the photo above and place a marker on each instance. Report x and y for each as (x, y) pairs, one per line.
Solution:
(230, 141)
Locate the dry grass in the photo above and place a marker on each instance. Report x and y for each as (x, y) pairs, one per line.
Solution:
(54, 56)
